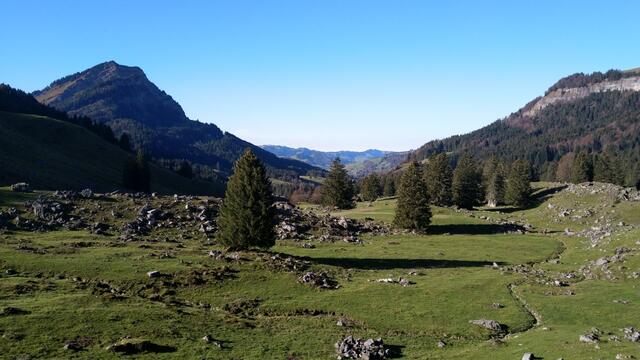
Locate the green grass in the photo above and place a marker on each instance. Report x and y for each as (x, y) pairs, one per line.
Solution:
(52, 154)
(455, 283)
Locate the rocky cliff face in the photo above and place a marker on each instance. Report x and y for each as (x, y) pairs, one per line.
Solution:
(577, 93)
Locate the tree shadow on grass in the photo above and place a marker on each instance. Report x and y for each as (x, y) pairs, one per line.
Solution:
(537, 198)
(388, 264)
(473, 229)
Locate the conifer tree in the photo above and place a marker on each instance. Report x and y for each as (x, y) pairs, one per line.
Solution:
(338, 188)
(389, 187)
(493, 175)
(412, 211)
(582, 168)
(466, 186)
(371, 189)
(607, 170)
(185, 169)
(438, 179)
(519, 184)
(136, 174)
(125, 142)
(247, 218)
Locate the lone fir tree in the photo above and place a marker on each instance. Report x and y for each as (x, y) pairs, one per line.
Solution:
(247, 218)
(338, 189)
(412, 211)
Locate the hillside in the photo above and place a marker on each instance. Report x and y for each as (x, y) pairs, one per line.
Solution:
(598, 113)
(124, 98)
(54, 154)
(359, 163)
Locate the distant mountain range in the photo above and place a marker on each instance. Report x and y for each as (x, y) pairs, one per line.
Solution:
(597, 113)
(357, 162)
(123, 98)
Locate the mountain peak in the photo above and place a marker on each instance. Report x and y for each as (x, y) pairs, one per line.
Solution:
(109, 91)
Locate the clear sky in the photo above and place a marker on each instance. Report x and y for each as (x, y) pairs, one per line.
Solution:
(329, 75)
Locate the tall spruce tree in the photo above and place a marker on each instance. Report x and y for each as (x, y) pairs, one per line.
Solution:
(467, 185)
(493, 177)
(519, 184)
(606, 169)
(412, 211)
(185, 169)
(370, 189)
(582, 168)
(338, 188)
(389, 187)
(247, 218)
(136, 174)
(438, 179)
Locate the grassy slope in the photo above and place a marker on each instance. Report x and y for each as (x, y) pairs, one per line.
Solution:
(456, 285)
(51, 154)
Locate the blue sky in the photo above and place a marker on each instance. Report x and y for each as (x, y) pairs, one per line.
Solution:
(325, 74)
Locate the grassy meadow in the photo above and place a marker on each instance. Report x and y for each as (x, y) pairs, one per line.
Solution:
(94, 290)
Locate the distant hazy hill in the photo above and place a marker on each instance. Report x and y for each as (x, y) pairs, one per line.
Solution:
(359, 162)
(598, 113)
(123, 98)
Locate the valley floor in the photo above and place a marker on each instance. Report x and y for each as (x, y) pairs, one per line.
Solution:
(575, 268)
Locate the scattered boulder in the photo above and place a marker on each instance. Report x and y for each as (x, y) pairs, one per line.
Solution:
(441, 344)
(21, 187)
(356, 348)
(528, 356)
(488, 324)
(400, 281)
(72, 346)
(591, 338)
(318, 279)
(154, 274)
(631, 334)
(134, 346)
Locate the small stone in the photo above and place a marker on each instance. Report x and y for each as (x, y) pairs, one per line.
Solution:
(441, 344)
(528, 356)
(153, 274)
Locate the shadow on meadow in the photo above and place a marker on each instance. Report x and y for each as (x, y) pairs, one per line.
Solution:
(537, 198)
(390, 264)
(472, 229)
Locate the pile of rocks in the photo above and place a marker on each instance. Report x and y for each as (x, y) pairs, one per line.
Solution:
(286, 263)
(318, 279)
(488, 324)
(356, 348)
(631, 334)
(400, 281)
(296, 224)
(73, 195)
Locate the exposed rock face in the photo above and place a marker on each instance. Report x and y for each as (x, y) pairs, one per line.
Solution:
(572, 94)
